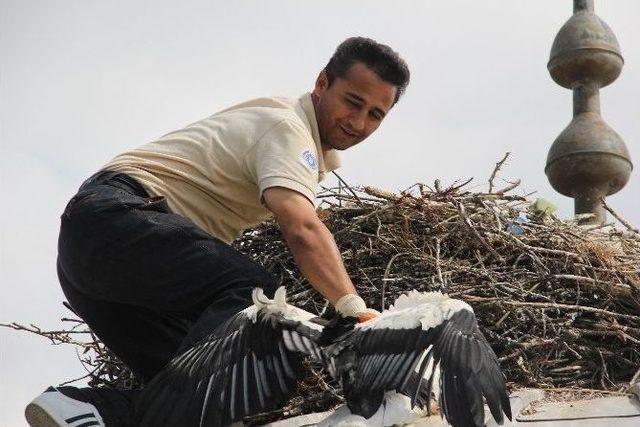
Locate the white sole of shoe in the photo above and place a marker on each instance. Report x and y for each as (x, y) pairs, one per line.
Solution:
(47, 410)
(38, 417)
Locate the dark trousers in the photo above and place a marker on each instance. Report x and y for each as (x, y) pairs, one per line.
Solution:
(148, 282)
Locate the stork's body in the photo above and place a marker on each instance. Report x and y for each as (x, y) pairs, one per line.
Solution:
(252, 363)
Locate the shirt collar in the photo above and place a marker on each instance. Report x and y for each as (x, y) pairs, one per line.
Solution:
(327, 160)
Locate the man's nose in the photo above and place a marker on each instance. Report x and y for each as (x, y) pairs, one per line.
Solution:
(358, 122)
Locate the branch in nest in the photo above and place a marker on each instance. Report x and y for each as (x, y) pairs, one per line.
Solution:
(348, 187)
(619, 218)
(56, 337)
(495, 171)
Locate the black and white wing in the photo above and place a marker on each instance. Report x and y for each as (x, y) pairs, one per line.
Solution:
(248, 365)
(423, 335)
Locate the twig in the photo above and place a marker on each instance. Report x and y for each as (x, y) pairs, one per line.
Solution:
(619, 218)
(559, 307)
(467, 221)
(347, 187)
(508, 188)
(496, 169)
(385, 278)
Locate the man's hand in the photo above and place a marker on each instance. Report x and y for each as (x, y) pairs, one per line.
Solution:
(354, 306)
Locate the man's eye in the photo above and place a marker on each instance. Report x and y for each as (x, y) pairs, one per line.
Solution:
(352, 103)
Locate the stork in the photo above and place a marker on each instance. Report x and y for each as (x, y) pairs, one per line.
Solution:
(252, 362)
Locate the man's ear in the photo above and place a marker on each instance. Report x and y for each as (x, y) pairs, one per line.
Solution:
(322, 83)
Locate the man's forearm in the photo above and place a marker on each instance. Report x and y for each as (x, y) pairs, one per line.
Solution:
(316, 254)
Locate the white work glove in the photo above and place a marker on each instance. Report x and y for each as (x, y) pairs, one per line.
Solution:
(351, 305)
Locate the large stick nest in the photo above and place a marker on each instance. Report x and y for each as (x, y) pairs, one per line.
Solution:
(559, 303)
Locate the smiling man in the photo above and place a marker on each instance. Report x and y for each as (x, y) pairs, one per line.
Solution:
(144, 249)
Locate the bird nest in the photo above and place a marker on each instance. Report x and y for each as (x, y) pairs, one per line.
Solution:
(558, 302)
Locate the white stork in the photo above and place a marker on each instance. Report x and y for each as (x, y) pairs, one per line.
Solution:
(252, 362)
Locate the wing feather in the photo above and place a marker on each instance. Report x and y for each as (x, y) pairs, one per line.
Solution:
(467, 376)
(207, 395)
(249, 364)
(245, 385)
(232, 391)
(282, 382)
(393, 368)
(403, 369)
(261, 380)
(403, 350)
(366, 362)
(426, 360)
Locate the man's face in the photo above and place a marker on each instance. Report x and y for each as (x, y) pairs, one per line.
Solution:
(351, 108)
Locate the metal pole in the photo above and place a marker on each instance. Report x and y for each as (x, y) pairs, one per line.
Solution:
(579, 5)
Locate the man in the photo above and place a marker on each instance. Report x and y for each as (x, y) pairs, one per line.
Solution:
(144, 255)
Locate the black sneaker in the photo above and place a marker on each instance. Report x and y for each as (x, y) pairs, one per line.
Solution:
(54, 409)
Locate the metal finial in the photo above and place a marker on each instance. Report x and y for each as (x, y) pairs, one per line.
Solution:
(588, 160)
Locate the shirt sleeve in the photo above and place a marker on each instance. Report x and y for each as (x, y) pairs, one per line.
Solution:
(285, 157)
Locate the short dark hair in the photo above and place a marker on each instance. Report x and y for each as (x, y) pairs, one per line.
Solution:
(378, 57)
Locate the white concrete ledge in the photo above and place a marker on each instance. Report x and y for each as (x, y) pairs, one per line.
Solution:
(613, 411)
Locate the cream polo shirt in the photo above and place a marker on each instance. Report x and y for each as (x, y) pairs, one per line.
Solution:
(215, 171)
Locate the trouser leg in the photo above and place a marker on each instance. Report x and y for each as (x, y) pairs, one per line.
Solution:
(145, 340)
(140, 276)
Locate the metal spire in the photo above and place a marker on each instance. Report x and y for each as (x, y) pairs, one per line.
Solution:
(588, 160)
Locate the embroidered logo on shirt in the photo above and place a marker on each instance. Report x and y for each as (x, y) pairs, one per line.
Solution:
(309, 160)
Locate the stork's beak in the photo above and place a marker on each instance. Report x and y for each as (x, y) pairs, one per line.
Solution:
(365, 316)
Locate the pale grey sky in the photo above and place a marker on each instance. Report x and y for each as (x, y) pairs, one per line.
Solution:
(82, 80)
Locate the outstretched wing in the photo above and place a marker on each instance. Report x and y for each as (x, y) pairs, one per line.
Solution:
(406, 349)
(248, 365)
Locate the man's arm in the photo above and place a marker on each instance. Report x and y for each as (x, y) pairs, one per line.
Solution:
(311, 243)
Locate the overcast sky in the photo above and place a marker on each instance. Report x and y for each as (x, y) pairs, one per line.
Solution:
(81, 81)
